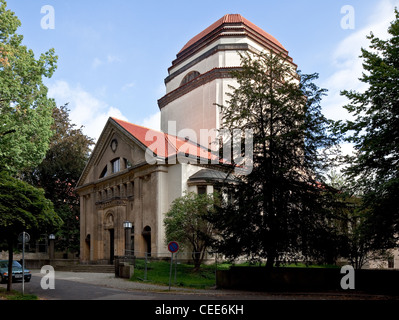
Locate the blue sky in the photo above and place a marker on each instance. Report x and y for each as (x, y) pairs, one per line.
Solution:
(114, 55)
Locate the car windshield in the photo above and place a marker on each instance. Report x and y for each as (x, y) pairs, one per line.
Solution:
(15, 264)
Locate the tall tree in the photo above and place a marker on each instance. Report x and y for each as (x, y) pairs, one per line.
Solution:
(278, 210)
(59, 172)
(374, 132)
(186, 222)
(23, 208)
(25, 109)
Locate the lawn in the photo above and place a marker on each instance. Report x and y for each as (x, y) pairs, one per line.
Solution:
(183, 275)
(15, 295)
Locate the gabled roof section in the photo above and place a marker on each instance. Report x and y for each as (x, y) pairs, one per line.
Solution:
(164, 145)
(232, 19)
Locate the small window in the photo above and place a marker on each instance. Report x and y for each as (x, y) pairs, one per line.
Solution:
(201, 189)
(116, 165)
(128, 164)
(189, 76)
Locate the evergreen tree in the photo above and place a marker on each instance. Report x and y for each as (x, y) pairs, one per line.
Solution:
(374, 132)
(279, 210)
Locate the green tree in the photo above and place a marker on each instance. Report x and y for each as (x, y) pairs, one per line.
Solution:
(59, 172)
(186, 222)
(25, 109)
(23, 208)
(279, 208)
(374, 132)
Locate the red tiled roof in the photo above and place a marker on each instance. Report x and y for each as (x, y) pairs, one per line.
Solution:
(232, 19)
(169, 145)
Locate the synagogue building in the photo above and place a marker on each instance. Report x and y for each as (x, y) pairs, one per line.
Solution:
(134, 173)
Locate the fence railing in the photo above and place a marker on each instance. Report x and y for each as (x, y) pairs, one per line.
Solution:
(177, 269)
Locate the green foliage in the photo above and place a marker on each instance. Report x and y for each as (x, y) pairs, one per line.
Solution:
(374, 169)
(186, 223)
(59, 172)
(158, 272)
(24, 208)
(25, 110)
(279, 209)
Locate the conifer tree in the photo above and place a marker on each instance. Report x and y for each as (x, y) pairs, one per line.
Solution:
(374, 133)
(278, 211)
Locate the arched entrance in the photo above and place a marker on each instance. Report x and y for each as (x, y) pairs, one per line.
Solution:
(147, 239)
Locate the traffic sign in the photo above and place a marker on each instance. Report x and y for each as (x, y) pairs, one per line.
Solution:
(23, 237)
(173, 247)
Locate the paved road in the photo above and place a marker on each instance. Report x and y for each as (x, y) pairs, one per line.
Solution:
(160, 303)
(102, 286)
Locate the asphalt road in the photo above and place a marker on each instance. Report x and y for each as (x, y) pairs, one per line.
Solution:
(96, 294)
(89, 286)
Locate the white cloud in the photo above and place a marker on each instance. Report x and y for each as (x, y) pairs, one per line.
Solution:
(128, 86)
(85, 109)
(348, 65)
(153, 121)
(109, 59)
(96, 63)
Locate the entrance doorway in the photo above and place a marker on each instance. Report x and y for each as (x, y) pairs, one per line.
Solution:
(147, 239)
(111, 245)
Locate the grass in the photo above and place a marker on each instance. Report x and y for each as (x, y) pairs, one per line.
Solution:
(158, 273)
(15, 295)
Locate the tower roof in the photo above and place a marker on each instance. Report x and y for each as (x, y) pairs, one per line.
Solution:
(232, 19)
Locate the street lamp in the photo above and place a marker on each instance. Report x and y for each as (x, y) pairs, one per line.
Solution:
(127, 225)
(51, 238)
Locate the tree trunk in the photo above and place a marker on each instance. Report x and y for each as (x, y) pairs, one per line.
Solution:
(10, 259)
(270, 261)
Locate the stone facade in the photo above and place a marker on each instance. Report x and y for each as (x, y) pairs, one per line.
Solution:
(119, 185)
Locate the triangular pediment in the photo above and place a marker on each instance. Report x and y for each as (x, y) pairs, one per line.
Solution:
(114, 143)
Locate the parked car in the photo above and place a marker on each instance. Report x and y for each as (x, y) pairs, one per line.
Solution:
(16, 272)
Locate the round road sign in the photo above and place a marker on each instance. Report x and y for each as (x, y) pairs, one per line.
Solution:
(173, 246)
(21, 237)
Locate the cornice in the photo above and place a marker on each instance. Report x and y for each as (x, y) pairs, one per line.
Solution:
(216, 73)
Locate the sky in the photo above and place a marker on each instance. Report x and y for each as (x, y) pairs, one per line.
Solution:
(113, 56)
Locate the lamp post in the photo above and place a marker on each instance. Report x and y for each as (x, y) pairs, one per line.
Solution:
(127, 225)
(51, 253)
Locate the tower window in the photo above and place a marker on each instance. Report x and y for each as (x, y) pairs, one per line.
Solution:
(189, 76)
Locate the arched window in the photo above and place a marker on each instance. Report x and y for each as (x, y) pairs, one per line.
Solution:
(104, 173)
(189, 76)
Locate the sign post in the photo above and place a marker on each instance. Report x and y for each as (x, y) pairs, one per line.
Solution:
(173, 247)
(23, 237)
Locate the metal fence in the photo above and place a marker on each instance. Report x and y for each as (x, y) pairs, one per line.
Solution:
(174, 269)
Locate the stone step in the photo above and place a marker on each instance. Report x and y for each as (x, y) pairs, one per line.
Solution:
(87, 268)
